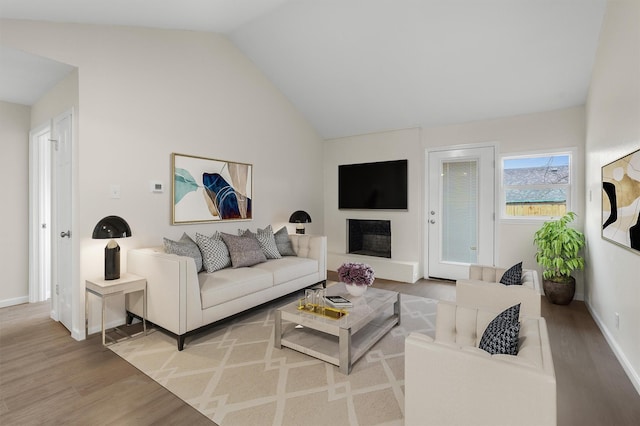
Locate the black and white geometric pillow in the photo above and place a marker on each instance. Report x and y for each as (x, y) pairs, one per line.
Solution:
(501, 335)
(185, 247)
(215, 255)
(513, 275)
(268, 243)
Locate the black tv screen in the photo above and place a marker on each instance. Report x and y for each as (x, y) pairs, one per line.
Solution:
(381, 185)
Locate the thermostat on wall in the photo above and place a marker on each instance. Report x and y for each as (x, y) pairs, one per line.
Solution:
(156, 186)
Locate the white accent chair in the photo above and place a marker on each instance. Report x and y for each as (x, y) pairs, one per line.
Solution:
(484, 290)
(450, 381)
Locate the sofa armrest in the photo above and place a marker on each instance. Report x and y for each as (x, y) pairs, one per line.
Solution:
(450, 385)
(173, 291)
(312, 247)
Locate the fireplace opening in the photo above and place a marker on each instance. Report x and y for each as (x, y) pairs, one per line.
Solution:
(369, 237)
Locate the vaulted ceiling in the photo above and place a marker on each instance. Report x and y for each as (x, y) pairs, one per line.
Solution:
(361, 66)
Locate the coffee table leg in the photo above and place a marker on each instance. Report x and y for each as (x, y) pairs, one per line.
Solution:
(278, 330)
(397, 309)
(345, 351)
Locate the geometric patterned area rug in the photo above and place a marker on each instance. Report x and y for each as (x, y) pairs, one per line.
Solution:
(233, 375)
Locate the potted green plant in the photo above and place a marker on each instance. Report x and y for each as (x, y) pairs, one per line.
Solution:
(558, 254)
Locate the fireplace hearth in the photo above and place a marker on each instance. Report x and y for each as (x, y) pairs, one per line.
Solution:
(369, 237)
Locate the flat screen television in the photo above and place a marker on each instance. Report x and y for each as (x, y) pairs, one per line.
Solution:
(380, 185)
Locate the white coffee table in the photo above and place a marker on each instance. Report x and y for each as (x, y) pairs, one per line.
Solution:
(341, 341)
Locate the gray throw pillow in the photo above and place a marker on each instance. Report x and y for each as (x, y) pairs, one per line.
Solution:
(244, 250)
(501, 335)
(185, 247)
(215, 255)
(283, 242)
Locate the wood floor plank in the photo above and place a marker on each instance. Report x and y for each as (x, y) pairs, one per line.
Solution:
(46, 377)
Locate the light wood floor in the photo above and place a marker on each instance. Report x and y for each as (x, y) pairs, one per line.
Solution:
(46, 377)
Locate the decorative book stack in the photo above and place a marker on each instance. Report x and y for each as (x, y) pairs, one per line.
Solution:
(338, 302)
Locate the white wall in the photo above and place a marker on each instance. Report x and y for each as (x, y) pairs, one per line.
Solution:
(613, 130)
(14, 166)
(406, 241)
(146, 93)
(515, 135)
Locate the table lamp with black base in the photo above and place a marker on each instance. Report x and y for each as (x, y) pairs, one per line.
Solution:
(300, 217)
(110, 228)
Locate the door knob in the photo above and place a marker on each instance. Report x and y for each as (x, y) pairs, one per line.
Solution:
(432, 221)
(65, 234)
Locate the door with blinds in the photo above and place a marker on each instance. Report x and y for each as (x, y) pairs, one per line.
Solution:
(460, 211)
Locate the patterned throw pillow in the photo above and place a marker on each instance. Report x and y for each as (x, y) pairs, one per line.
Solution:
(266, 240)
(501, 335)
(513, 275)
(185, 247)
(215, 255)
(268, 243)
(283, 242)
(244, 250)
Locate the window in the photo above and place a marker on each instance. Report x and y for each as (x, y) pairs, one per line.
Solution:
(536, 186)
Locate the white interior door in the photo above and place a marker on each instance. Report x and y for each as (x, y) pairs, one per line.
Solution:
(62, 261)
(40, 214)
(460, 210)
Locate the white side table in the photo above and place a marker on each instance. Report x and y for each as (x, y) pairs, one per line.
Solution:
(127, 283)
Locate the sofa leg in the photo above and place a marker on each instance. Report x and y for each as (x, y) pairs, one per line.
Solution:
(324, 284)
(181, 342)
(129, 318)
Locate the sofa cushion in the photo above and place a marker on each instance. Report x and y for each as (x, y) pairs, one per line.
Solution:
(513, 275)
(244, 250)
(283, 242)
(229, 284)
(288, 268)
(215, 254)
(185, 247)
(501, 335)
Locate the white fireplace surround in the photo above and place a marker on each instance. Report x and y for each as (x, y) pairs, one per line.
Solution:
(387, 268)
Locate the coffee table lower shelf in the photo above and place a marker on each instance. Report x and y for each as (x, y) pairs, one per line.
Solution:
(342, 350)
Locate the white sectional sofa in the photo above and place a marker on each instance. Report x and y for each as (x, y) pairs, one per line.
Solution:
(484, 290)
(182, 301)
(450, 381)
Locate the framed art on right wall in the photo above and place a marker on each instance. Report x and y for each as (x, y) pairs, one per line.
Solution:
(621, 201)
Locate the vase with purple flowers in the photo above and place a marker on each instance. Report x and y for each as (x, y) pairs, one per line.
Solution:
(356, 276)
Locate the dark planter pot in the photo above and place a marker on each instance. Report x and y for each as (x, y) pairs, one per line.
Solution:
(560, 293)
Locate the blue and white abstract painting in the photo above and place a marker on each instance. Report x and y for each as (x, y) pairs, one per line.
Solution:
(209, 190)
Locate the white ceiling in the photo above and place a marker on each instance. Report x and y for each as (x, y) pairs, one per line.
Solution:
(360, 66)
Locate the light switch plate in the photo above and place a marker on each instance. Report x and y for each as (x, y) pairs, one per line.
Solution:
(156, 186)
(114, 190)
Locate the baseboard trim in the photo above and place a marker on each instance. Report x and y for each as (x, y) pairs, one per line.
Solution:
(15, 301)
(617, 351)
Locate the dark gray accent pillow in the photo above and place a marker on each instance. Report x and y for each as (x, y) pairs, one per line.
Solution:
(215, 255)
(185, 247)
(283, 242)
(501, 335)
(244, 250)
(513, 275)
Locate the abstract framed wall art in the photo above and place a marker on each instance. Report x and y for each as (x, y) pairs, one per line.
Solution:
(210, 190)
(621, 202)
